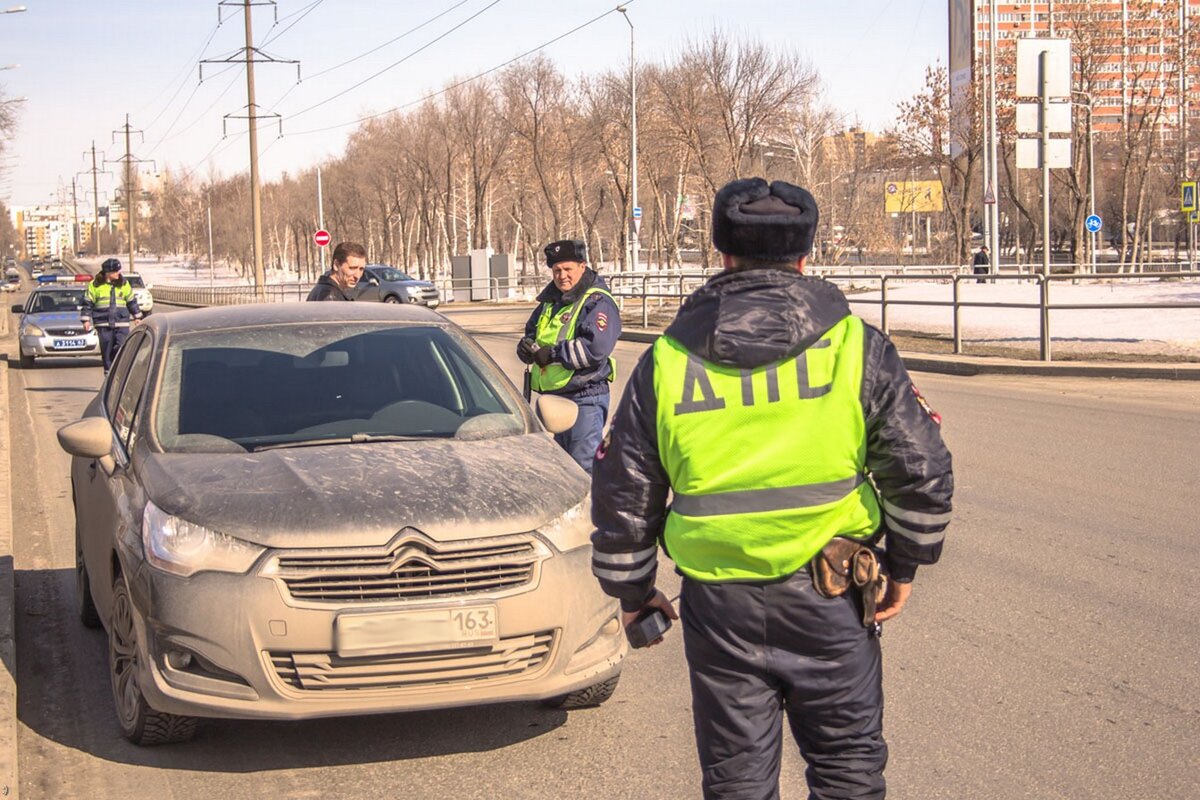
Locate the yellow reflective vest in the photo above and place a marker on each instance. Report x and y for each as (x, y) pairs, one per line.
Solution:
(767, 465)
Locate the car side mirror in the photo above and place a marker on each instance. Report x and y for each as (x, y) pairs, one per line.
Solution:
(373, 281)
(557, 414)
(18, 308)
(90, 437)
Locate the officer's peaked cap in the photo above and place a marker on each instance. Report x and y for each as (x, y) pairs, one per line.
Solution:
(764, 222)
(566, 250)
(111, 265)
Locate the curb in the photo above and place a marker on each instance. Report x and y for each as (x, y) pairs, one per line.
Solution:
(9, 782)
(983, 365)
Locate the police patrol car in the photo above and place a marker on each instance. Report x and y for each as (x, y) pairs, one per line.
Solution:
(50, 321)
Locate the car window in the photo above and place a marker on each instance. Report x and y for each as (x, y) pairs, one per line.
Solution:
(289, 384)
(135, 281)
(131, 391)
(116, 376)
(48, 302)
(390, 274)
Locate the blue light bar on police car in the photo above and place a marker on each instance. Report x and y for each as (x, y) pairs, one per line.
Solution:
(63, 278)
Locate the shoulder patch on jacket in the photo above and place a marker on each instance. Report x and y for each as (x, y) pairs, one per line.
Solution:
(933, 415)
(602, 320)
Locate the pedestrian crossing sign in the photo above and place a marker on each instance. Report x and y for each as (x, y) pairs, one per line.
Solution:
(1187, 196)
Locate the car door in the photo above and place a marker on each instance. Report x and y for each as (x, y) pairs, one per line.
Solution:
(369, 287)
(113, 515)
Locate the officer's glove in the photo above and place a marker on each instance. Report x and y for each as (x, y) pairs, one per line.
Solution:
(543, 356)
(526, 349)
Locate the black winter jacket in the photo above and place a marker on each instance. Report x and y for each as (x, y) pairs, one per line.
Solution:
(747, 319)
(327, 289)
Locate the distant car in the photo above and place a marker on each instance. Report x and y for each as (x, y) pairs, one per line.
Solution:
(300, 510)
(390, 285)
(36, 272)
(141, 290)
(10, 286)
(51, 324)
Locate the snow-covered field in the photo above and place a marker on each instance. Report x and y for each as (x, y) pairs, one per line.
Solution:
(1164, 332)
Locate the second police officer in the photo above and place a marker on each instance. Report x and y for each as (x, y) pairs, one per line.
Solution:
(110, 305)
(787, 430)
(569, 341)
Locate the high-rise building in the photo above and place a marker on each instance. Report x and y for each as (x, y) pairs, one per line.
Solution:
(1131, 57)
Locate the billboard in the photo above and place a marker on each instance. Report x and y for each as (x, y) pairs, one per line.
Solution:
(962, 59)
(923, 197)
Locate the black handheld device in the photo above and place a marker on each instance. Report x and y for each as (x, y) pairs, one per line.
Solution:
(650, 624)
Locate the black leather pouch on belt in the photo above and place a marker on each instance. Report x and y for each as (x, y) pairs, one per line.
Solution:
(845, 563)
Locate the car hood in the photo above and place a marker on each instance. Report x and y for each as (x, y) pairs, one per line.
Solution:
(54, 318)
(361, 494)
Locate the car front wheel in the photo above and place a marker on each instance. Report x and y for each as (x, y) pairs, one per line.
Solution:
(391, 298)
(139, 722)
(587, 697)
(84, 605)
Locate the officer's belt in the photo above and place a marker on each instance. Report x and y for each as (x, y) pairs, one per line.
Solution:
(752, 501)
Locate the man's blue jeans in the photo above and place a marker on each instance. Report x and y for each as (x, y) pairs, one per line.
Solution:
(582, 440)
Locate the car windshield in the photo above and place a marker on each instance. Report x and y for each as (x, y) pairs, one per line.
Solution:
(391, 274)
(47, 302)
(135, 281)
(297, 385)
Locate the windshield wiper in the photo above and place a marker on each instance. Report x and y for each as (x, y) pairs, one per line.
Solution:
(357, 438)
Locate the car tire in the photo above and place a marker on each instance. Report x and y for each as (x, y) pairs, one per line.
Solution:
(26, 361)
(391, 298)
(85, 606)
(588, 697)
(140, 723)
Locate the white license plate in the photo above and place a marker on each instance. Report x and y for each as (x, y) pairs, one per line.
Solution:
(403, 631)
(69, 344)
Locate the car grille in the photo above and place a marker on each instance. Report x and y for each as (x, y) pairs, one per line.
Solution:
(427, 293)
(64, 331)
(411, 568)
(508, 658)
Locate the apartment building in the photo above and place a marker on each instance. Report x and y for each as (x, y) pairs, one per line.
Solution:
(1130, 56)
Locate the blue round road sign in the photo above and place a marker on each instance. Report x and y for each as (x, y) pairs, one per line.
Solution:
(1093, 223)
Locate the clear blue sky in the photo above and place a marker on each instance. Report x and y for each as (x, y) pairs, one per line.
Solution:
(85, 64)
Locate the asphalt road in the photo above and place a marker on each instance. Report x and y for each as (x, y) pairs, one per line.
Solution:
(1052, 654)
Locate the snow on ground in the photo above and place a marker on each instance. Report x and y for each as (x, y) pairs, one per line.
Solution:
(1166, 331)
(1170, 331)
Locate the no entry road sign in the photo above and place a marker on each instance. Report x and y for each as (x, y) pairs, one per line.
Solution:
(322, 238)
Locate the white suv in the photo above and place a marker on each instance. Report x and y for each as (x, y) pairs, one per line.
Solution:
(141, 290)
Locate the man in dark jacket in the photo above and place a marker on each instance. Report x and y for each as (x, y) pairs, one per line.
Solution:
(568, 343)
(779, 421)
(980, 264)
(349, 260)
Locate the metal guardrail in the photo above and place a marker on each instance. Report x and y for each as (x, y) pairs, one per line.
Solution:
(1044, 305)
(230, 295)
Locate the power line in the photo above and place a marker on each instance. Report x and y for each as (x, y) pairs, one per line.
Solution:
(465, 81)
(204, 113)
(395, 64)
(390, 41)
(182, 76)
(304, 12)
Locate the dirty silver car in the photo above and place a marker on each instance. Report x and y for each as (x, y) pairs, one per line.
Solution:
(326, 509)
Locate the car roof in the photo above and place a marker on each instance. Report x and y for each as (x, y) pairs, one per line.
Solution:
(243, 316)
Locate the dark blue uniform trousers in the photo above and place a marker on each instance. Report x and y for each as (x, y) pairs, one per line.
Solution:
(111, 340)
(756, 651)
(583, 439)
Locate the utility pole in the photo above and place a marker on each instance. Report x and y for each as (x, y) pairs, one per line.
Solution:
(993, 210)
(131, 198)
(635, 210)
(249, 56)
(75, 210)
(211, 268)
(95, 172)
(320, 218)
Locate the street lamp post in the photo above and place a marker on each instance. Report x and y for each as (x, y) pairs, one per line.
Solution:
(635, 222)
(1091, 171)
(14, 10)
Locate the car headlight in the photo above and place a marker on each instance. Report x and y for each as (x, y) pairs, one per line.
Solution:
(29, 329)
(573, 529)
(184, 548)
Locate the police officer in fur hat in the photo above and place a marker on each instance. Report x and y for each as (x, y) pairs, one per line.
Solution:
(793, 441)
(569, 341)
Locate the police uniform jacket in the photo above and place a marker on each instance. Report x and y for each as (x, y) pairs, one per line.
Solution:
(747, 319)
(596, 333)
(327, 289)
(116, 314)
